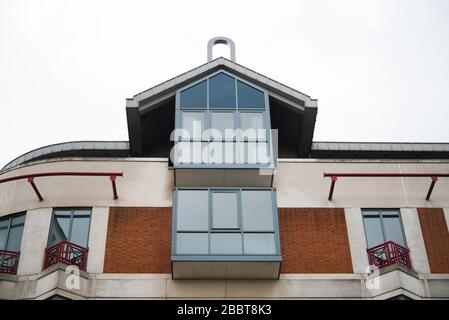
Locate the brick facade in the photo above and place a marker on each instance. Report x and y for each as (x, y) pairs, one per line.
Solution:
(138, 240)
(436, 238)
(314, 240)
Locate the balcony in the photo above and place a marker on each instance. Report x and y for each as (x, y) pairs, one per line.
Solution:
(67, 253)
(389, 253)
(9, 260)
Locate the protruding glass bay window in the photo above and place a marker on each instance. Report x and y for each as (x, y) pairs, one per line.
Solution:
(225, 233)
(222, 122)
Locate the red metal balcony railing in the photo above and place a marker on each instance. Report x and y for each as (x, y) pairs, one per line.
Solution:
(9, 260)
(389, 253)
(67, 253)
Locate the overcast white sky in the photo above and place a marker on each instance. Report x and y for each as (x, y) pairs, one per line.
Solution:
(379, 69)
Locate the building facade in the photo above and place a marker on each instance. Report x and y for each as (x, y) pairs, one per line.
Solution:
(221, 192)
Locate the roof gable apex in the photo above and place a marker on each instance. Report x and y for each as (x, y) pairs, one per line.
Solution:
(153, 96)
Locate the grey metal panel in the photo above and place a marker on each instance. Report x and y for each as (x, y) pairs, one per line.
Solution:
(78, 148)
(380, 150)
(381, 146)
(226, 270)
(221, 177)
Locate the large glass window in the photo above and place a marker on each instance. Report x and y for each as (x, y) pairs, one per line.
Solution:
(70, 225)
(257, 206)
(251, 121)
(192, 243)
(193, 125)
(235, 111)
(383, 225)
(11, 230)
(225, 222)
(226, 243)
(222, 92)
(223, 122)
(194, 97)
(249, 97)
(193, 211)
(224, 210)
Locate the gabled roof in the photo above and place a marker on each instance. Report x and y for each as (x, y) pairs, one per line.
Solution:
(155, 95)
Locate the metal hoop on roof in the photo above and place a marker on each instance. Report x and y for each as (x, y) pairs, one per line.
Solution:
(220, 40)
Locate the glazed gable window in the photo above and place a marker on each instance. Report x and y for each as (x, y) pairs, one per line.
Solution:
(222, 120)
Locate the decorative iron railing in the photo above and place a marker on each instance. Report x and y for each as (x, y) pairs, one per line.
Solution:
(67, 253)
(9, 260)
(389, 253)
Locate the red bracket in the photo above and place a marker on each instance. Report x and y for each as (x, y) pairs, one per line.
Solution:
(36, 190)
(432, 184)
(434, 177)
(30, 178)
(331, 191)
(114, 187)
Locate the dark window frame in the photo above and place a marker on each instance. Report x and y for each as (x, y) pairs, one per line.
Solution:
(72, 210)
(10, 217)
(381, 212)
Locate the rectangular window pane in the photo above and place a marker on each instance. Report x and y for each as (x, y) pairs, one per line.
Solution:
(193, 125)
(192, 243)
(3, 233)
(215, 153)
(249, 97)
(195, 152)
(251, 120)
(15, 238)
(224, 123)
(60, 227)
(81, 212)
(252, 153)
(230, 152)
(194, 97)
(252, 127)
(222, 91)
(373, 231)
(80, 231)
(224, 210)
(259, 243)
(18, 220)
(226, 243)
(393, 230)
(257, 210)
(192, 210)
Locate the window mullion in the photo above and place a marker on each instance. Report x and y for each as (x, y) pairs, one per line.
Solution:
(69, 236)
(209, 202)
(384, 235)
(240, 217)
(7, 233)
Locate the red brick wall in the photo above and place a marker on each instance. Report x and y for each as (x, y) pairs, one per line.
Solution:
(314, 240)
(436, 238)
(138, 240)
